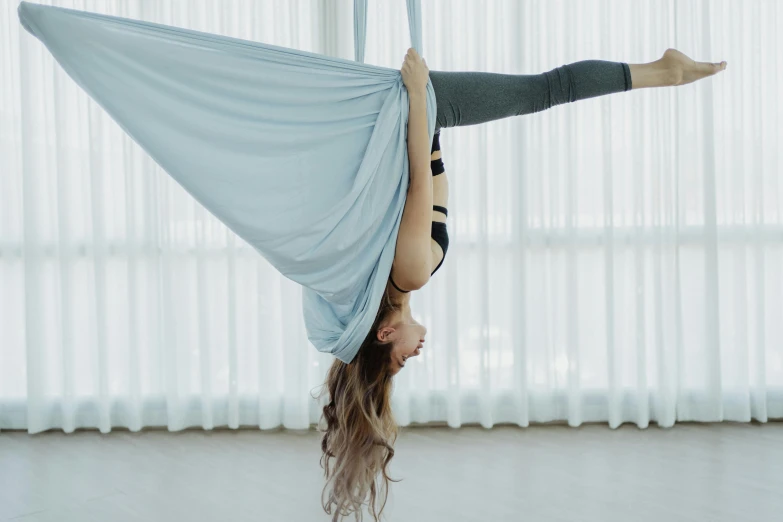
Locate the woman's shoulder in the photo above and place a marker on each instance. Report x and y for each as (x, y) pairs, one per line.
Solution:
(395, 294)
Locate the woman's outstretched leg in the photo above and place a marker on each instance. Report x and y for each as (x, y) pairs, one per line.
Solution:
(470, 98)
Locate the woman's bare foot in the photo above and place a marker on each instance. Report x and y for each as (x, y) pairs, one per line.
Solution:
(684, 70)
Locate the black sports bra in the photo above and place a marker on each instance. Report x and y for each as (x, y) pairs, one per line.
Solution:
(439, 232)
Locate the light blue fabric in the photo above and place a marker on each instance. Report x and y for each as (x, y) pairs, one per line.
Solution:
(302, 155)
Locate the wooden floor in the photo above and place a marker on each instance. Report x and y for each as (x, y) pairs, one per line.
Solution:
(692, 472)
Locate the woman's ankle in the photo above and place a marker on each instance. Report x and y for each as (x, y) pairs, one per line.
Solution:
(653, 74)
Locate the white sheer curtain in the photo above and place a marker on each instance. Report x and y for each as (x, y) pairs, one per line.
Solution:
(617, 259)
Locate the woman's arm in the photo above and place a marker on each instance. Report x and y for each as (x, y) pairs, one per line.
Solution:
(413, 255)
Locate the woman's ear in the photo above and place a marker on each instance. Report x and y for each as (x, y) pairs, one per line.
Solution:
(384, 334)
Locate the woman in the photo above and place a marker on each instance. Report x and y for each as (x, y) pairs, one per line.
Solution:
(360, 429)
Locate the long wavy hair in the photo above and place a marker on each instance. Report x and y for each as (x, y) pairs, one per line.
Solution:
(360, 428)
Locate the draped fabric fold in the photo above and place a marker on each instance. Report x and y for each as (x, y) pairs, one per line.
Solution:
(304, 156)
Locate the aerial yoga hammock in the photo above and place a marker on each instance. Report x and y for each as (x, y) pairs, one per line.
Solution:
(302, 155)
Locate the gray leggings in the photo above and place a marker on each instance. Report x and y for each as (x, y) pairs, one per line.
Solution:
(470, 98)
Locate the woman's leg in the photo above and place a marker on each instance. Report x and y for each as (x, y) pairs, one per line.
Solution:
(470, 98)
